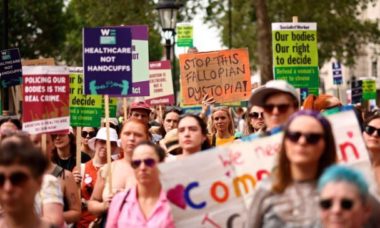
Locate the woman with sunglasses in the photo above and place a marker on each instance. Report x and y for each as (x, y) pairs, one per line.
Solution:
(65, 151)
(344, 199)
(371, 137)
(254, 120)
(87, 134)
(222, 126)
(22, 167)
(289, 197)
(132, 133)
(192, 135)
(144, 205)
(71, 199)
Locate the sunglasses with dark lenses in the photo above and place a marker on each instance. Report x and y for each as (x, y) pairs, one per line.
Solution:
(150, 162)
(282, 108)
(16, 178)
(256, 115)
(370, 130)
(311, 138)
(90, 134)
(345, 204)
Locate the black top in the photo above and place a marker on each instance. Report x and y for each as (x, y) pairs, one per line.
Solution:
(70, 163)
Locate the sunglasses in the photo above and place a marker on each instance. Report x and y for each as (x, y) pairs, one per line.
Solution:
(282, 108)
(90, 134)
(16, 179)
(311, 138)
(370, 130)
(256, 115)
(345, 204)
(150, 162)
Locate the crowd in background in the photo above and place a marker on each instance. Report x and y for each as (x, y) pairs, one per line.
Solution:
(41, 186)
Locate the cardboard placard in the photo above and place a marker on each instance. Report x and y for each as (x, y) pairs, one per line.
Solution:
(225, 75)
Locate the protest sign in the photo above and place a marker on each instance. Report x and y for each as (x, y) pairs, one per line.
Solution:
(85, 110)
(337, 73)
(10, 67)
(140, 60)
(161, 85)
(295, 53)
(46, 99)
(184, 35)
(38, 62)
(215, 187)
(225, 75)
(369, 89)
(107, 60)
(356, 91)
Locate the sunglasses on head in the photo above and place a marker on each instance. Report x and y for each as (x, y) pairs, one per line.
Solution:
(16, 178)
(150, 162)
(89, 134)
(282, 108)
(370, 130)
(310, 138)
(256, 115)
(345, 204)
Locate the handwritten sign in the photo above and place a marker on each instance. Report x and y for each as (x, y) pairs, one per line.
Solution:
(45, 99)
(161, 85)
(38, 62)
(85, 110)
(225, 75)
(107, 60)
(214, 188)
(295, 53)
(10, 67)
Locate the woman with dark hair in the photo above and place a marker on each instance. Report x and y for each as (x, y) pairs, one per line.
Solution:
(222, 126)
(192, 135)
(289, 197)
(254, 120)
(169, 122)
(87, 133)
(65, 150)
(145, 204)
(22, 167)
(371, 135)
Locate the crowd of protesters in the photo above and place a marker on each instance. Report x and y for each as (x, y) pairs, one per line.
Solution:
(42, 186)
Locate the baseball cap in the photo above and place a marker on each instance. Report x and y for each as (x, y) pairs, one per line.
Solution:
(140, 105)
(259, 96)
(102, 135)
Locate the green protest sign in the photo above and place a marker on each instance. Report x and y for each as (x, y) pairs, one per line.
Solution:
(85, 110)
(295, 53)
(369, 89)
(112, 106)
(184, 35)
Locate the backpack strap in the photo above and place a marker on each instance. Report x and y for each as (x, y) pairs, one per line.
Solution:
(57, 172)
(122, 204)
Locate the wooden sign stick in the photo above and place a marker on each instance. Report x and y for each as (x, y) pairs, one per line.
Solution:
(108, 144)
(125, 103)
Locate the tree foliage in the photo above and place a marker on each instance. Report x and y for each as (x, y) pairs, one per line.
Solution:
(35, 27)
(92, 13)
(341, 32)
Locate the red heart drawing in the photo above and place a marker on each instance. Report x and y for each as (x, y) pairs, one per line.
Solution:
(176, 196)
(350, 134)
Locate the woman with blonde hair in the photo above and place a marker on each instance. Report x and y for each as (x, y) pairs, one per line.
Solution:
(222, 126)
